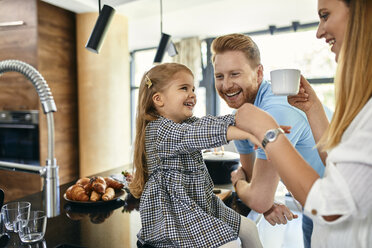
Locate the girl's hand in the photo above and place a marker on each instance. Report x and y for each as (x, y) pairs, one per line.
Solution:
(306, 97)
(286, 129)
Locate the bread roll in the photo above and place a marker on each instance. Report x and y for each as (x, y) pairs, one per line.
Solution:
(77, 193)
(109, 194)
(69, 192)
(99, 184)
(94, 196)
(83, 181)
(112, 183)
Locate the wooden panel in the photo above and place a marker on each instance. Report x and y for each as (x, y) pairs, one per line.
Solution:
(18, 10)
(104, 97)
(57, 64)
(16, 92)
(19, 43)
(19, 184)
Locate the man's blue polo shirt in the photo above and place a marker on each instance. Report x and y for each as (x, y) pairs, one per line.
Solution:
(300, 134)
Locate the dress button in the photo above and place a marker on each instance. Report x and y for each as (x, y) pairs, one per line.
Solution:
(314, 212)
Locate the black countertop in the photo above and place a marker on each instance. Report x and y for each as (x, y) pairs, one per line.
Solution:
(112, 225)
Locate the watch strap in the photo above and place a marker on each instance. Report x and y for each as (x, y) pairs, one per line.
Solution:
(264, 142)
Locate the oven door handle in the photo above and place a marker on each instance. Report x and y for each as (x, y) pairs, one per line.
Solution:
(18, 126)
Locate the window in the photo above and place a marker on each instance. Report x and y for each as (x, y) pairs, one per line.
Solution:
(142, 61)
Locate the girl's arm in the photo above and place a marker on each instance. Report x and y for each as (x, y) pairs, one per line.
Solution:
(194, 134)
(234, 133)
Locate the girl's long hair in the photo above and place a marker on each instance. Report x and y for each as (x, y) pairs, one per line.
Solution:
(158, 78)
(353, 81)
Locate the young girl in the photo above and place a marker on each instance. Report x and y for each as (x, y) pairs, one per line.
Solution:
(177, 206)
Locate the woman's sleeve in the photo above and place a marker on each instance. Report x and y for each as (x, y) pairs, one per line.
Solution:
(344, 190)
(194, 134)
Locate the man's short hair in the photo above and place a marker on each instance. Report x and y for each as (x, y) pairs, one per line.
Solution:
(237, 42)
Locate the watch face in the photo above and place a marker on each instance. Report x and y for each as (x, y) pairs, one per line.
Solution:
(270, 135)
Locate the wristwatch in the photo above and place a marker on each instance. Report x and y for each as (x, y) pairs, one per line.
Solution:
(271, 135)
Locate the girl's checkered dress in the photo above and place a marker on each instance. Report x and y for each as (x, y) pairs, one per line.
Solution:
(178, 207)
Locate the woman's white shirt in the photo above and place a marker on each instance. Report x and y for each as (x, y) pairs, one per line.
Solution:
(345, 189)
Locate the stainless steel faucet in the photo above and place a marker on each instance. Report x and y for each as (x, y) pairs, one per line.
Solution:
(50, 171)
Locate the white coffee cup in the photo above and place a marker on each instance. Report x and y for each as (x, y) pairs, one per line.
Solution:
(285, 82)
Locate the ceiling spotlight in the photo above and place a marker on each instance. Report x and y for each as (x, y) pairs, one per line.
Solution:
(172, 51)
(165, 43)
(272, 29)
(295, 25)
(98, 34)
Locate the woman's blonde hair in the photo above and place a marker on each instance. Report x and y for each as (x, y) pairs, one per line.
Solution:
(353, 81)
(155, 80)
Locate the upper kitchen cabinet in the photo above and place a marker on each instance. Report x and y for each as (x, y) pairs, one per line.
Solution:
(46, 39)
(18, 40)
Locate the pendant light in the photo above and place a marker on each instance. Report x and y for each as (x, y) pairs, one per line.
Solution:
(165, 43)
(98, 34)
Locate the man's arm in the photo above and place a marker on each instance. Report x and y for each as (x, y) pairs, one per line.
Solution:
(259, 194)
(247, 161)
(277, 213)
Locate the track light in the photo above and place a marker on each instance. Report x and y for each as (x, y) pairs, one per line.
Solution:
(99, 31)
(165, 43)
(295, 26)
(172, 51)
(272, 29)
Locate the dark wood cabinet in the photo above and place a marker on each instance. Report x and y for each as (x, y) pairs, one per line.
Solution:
(18, 42)
(47, 41)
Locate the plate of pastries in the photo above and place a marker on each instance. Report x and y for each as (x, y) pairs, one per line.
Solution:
(94, 191)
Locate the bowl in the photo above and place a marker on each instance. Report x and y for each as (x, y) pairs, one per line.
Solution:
(220, 165)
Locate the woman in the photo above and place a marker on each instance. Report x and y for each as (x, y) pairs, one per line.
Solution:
(340, 203)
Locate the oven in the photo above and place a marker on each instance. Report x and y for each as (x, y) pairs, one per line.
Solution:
(19, 137)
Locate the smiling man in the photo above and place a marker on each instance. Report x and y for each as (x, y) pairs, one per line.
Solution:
(239, 79)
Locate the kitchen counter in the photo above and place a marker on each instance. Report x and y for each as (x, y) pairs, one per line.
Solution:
(111, 225)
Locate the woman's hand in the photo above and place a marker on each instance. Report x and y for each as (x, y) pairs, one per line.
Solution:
(306, 97)
(254, 120)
